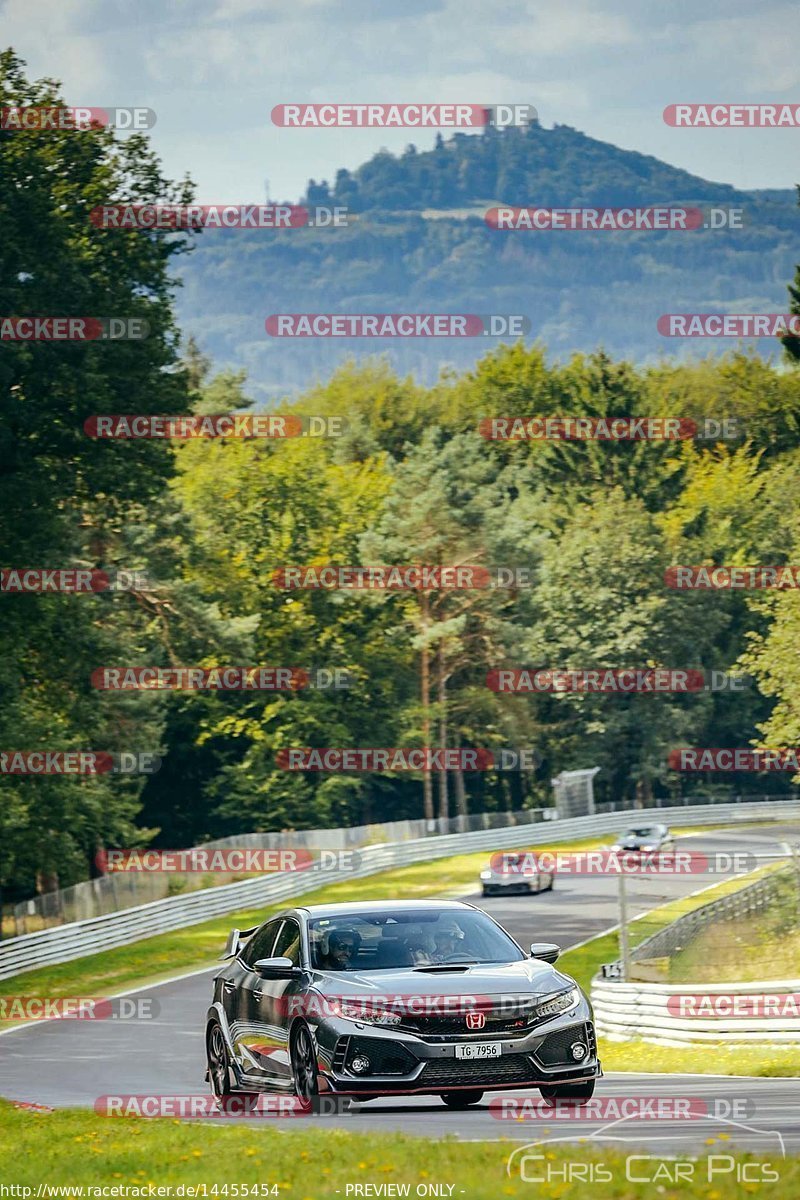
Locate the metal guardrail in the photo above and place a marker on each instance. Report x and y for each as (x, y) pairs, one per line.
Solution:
(111, 893)
(66, 942)
(677, 936)
(646, 1011)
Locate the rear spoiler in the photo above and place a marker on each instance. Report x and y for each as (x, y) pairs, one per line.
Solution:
(236, 939)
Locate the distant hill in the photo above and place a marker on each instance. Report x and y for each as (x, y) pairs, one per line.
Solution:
(420, 244)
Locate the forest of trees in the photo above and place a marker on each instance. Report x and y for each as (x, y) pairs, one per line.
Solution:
(411, 480)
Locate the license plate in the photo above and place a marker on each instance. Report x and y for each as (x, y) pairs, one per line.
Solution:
(483, 1050)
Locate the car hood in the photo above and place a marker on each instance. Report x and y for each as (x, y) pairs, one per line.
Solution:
(636, 843)
(529, 977)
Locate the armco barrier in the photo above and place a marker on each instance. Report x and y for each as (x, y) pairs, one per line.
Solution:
(623, 1011)
(66, 942)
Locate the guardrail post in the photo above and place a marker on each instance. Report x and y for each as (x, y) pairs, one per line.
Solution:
(624, 947)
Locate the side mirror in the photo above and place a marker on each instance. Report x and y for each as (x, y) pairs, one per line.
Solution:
(277, 968)
(547, 951)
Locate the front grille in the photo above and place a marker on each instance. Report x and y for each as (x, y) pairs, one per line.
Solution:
(453, 1072)
(555, 1049)
(514, 1020)
(386, 1058)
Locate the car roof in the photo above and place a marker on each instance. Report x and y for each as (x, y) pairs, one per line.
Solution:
(379, 906)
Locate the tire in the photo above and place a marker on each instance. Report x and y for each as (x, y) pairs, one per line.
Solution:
(461, 1099)
(549, 887)
(303, 1058)
(579, 1092)
(217, 1060)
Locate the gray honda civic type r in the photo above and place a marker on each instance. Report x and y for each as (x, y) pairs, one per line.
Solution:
(371, 999)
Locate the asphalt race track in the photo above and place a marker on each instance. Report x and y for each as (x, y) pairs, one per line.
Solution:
(72, 1063)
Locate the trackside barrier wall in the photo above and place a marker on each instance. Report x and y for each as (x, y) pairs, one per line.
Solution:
(623, 1011)
(66, 942)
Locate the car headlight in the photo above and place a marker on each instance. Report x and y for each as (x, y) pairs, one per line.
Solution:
(649, 847)
(486, 874)
(616, 846)
(560, 1003)
(353, 1011)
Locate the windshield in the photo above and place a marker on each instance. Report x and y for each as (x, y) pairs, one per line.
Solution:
(642, 833)
(391, 940)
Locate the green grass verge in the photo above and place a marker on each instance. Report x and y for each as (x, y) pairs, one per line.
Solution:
(74, 1149)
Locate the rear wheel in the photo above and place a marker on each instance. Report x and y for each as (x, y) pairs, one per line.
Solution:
(569, 1091)
(304, 1066)
(461, 1099)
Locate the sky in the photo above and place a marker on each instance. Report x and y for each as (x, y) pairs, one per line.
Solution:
(213, 70)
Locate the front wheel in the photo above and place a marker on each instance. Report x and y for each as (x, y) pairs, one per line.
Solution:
(461, 1099)
(304, 1066)
(218, 1073)
(579, 1092)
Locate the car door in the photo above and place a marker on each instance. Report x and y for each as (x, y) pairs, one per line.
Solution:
(243, 1012)
(274, 1008)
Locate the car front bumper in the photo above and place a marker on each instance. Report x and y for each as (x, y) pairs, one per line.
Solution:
(402, 1064)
